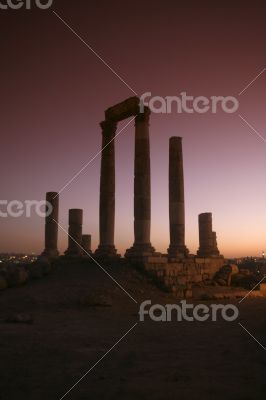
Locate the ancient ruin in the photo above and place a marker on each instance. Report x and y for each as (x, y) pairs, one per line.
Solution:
(142, 195)
(176, 269)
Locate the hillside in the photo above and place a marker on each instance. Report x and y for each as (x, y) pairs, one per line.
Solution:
(78, 313)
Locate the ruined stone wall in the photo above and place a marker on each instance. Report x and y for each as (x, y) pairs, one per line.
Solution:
(178, 277)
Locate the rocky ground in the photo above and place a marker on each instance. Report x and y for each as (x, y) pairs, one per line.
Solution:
(72, 317)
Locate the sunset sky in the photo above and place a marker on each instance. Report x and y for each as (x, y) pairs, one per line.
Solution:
(54, 91)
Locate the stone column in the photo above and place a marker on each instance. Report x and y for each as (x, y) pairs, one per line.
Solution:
(106, 247)
(142, 188)
(205, 235)
(86, 244)
(51, 225)
(75, 233)
(177, 246)
(214, 243)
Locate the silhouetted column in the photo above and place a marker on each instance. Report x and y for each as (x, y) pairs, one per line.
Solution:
(86, 244)
(177, 246)
(51, 225)
(75, 233)
(142, 188)
(107, 191)
(205, 235)
(214, 244)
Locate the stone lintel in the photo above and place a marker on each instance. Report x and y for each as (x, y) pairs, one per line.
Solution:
(123, 110)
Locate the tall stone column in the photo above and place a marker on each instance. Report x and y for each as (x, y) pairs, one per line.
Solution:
(51, 225)
(106, 247)
(75, 233)
(86, 244)
(142, 188)
(205, 235)
(177, 246)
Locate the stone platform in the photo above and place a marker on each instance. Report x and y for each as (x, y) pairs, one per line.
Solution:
(178, 275)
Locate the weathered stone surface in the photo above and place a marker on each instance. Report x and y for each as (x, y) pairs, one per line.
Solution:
(75, 233)
(215, 250)
(224, 276)
(142, 189)
(51, 225)
(177, 246)
(205, 235)
(106, 246)
(125, 109)
(86, 244)
(234, 269)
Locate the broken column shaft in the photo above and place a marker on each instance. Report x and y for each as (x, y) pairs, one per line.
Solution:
(214, 244)
(75, 233)
(86, 244)
(205, 235)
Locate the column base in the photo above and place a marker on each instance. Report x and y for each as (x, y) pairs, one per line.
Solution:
(208, 254)
(87, 254)
(50, 253)
(140, 251)
(175, 251)
(73, 253)
(106, 251)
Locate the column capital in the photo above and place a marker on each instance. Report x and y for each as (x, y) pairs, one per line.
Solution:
(108, 126)
(143, 116)
(175, 139)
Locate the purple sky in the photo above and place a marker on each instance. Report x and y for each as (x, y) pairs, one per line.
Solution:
(54, 92)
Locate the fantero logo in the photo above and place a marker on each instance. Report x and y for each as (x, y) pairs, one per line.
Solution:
(27, 4)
